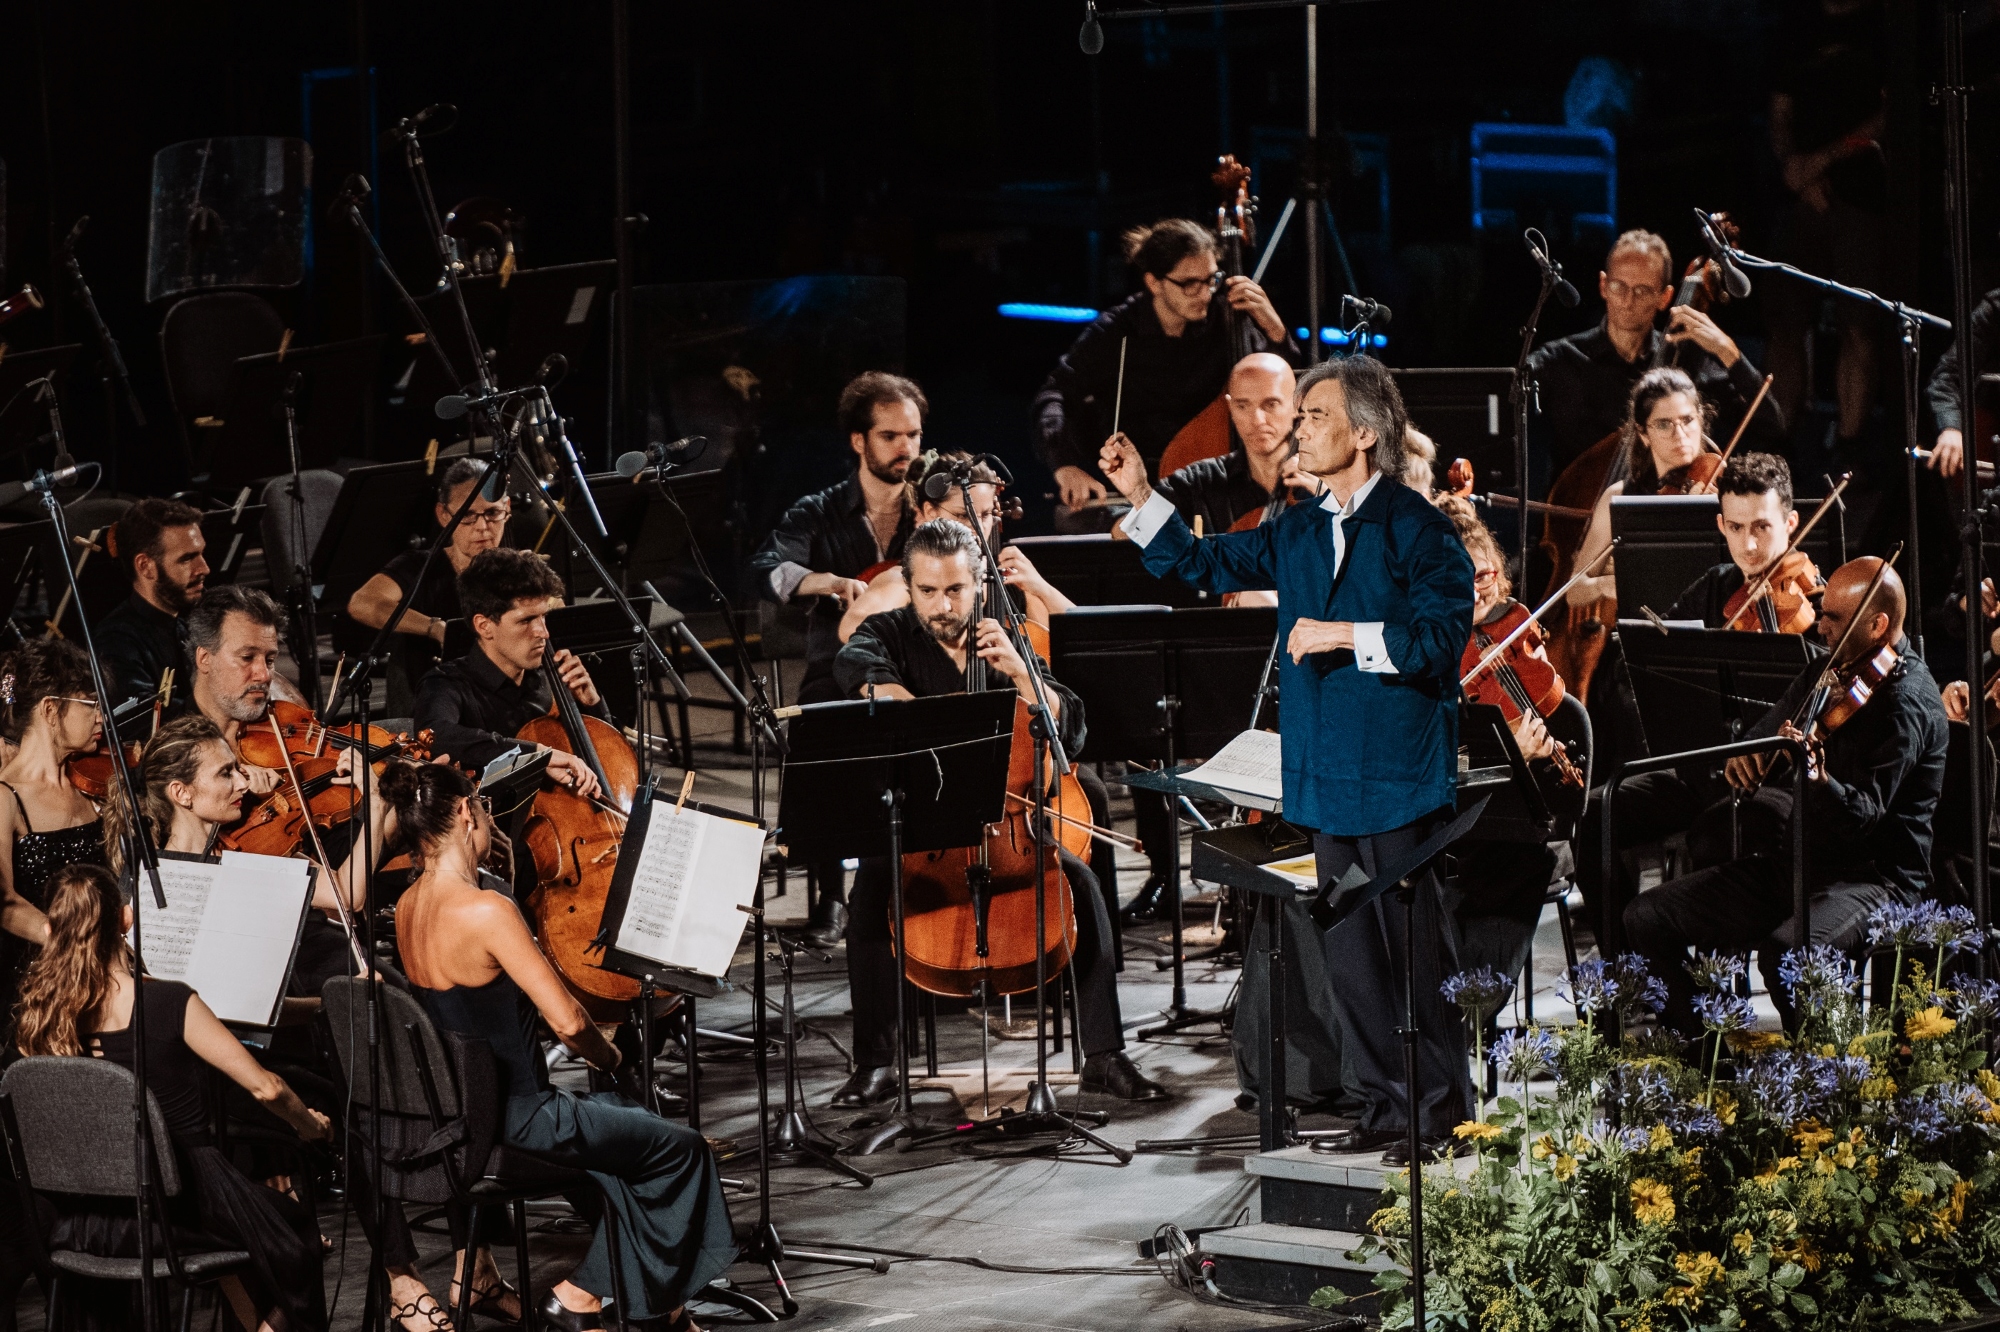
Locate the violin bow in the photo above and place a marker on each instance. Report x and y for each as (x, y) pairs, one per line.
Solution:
(1761, 584)
(312, 831)
(1708, 486)
(1493, 653)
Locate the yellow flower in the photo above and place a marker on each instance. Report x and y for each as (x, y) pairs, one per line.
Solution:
(1878, 1089)
(1700, 1269)
(1768, 1179)
(1811, 1137)
(1988, 1083)
(1743, 1241)
(1475, 1131)
(1661, 1139)
(1823, 1164)
(1911, 1197)
(1929, 1025)
(1544, 1147)
(1859, 1045)
(1829, 1050)
(1725, 1107)
(1652, 1202)
(1843, 1156)
(1787, 1163)
(1580, 1145)
(1564, 1168)
(1755, 1042)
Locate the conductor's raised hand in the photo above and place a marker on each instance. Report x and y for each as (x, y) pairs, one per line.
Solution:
(1122, 466)
(574, 674)
(996, 649)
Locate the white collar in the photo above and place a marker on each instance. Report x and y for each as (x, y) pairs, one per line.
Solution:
(1331, 502)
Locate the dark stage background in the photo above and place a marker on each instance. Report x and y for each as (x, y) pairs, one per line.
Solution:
(967, 148)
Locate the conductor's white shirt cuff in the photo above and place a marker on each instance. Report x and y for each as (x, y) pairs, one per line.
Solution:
(1144, 523)
(1369, 654)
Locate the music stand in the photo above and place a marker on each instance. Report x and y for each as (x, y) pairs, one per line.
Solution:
(1666, 542)
(885, 778)
(335, 379)
(1097, 569)
(1705, 687)
(1160, 684)
(230, 533)
(378, 509)
(22, 427)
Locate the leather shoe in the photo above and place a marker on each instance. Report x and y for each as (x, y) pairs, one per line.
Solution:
(1397, 1153)
(1358, 1140)
(865, 1087)
(828, 925)
(1146, 906)
(1115, 1074)
(555, 1315)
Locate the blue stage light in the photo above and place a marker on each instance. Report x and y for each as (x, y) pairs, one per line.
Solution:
(1051, 314)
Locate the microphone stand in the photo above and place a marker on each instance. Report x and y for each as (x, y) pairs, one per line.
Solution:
(305, 624)
(144, 857)
(1523, 394)
(1911, 321)
(111, 362)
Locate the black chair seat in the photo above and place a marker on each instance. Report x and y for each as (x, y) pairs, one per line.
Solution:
(512, 1173)
(198, 1266)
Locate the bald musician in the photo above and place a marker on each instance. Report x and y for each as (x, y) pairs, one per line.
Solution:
(1222, 489)
(1869, 799)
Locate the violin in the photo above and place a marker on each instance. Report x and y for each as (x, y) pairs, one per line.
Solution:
(1575, 648)
(1842, 691)
(969, 913)
(300, 734)
(1520, 679)
(574, 842)
(311, 792)
(1781, 595)
(1207, 435)
(92, 771)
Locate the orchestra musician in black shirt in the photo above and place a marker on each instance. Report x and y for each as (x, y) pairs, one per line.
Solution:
(1756, 518)
(159, 541)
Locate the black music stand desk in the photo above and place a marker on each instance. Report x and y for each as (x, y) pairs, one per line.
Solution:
(1704, 687)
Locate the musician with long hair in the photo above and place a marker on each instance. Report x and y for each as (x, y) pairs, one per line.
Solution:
(76, 1000)
(48, 699)
(474, 967)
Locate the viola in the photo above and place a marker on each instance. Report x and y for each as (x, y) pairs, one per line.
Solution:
(309, 794)
(92, 772)
(1786, 605)
(1576, 647)
(969, 912)
(574, 842)
(1520, 680)
(301, 735)
(1207, 435)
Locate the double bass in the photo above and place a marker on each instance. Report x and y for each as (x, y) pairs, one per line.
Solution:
(1576, 646)
(1207, 435)
(969, 912)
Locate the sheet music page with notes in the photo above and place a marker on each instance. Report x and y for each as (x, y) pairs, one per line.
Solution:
(1252, 763)
(694, 871)
(229, 930)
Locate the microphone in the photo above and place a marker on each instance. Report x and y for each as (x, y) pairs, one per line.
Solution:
(659, 455)
(1552, 272)
(454, 405)
(1091, 36)
(352, 191)
(495, 487)
(41, 483)
(1734, 280)
(1370, 311)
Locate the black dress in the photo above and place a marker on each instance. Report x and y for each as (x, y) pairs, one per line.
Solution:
(218, 1206)
(37, 855)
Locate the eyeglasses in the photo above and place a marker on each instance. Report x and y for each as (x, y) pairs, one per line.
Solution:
(1664, 426)
(1485, 577)
(1190, 286)
(485, 802)
(1636, 291)
(86, 702)
(496, 516)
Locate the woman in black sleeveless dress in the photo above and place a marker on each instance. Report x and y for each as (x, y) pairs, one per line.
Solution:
(47, 699)
(76, 999)
(476, 970)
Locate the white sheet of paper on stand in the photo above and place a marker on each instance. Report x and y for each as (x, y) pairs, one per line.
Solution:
(229, 930)
(694, 870)
(1302, 870)
(1252, 763)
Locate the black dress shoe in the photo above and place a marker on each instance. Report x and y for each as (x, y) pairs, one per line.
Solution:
(1114, 1074)
(865, 1087)
(1397, 1153)
(1359, 1140)
(1146, 906)
(555, 1315)
(828, 925)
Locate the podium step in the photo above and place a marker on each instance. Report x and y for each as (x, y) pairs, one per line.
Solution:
(1284, 1264)
(1336, 1191)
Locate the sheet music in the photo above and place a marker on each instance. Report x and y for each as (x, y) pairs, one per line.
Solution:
(1302, 870)
(694, 870)
(229, 930)
(1252, 763)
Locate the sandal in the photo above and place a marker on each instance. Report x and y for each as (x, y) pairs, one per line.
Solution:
(486, 1301)
(435, 1318)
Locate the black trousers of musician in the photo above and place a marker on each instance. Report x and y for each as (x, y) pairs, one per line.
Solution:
(1656, 805)
(1744, 904)
(1365, 956)
(829, 878)
(872, 971)
(1497, 894)
(1153, 819)
(1103, 855)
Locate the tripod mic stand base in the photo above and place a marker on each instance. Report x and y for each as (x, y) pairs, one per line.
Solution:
(1041, 1116)
(909, 1128)
(1180, 1019)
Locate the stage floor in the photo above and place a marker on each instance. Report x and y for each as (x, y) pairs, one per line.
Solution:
(941, 1213)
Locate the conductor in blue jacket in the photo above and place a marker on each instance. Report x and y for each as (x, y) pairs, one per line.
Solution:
(1374, 606)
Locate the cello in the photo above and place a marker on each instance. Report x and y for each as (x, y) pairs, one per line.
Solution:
(1207, 435)
(1575, 647)
(574, 843)
(969, 912)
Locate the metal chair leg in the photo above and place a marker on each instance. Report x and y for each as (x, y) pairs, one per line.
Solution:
(528, 1312)
(187, 1308)
(462, 1315)
(1568, 929)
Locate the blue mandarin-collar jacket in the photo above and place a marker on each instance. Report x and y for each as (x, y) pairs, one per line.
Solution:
(1364, 751)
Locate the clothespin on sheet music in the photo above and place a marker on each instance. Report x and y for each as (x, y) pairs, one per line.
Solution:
(161, 695)
(1197, 527)
(687, 786)
(431, 458)
(284, 345)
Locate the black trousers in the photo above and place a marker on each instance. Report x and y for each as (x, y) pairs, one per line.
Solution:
(1154, 821)
(1365, 957)
(1656, 805)
(872, 970)
(1744, 904)
(1103, 855)
(1500, 889)
(828, 876)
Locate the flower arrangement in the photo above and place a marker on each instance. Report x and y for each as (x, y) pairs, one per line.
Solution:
(1845, 1177)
